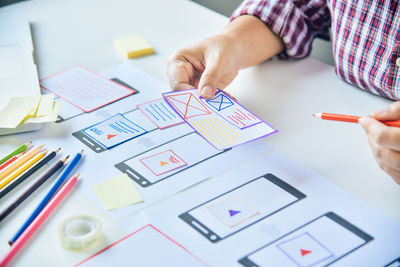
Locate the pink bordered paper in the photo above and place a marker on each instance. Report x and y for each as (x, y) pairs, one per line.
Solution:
(84, 88)
(160, 113)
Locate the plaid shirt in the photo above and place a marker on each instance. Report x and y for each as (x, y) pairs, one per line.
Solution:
(365, 36)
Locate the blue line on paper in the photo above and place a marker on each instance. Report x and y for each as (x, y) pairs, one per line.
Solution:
(151, 113)
(162, 111)
(116, 128)
(167, 109)
(124, 128)
(129, 126)
(157, 112)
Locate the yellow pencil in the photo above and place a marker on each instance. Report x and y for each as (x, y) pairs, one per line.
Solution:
(13, 166)
(21, 169)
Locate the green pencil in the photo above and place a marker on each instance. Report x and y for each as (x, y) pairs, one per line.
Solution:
(20, 149)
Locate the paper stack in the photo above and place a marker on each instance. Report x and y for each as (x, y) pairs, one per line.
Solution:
(25, 110)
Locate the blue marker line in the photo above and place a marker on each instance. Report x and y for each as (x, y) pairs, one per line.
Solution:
(126, 129)
(112, 126)
(151, 113)
(157, 112)
(118, 129)
(162, 111)
(167, 109)
(129, 126)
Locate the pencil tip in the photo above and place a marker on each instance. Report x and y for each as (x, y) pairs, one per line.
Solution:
(10, 243)
(318, 115)
(67, 157)
(57, 150)
(81, 152)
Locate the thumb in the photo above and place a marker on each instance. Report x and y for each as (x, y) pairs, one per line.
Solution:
(392, 112)
(209, 80)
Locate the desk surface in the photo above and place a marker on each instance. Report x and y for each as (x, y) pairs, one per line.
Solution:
(285, 94)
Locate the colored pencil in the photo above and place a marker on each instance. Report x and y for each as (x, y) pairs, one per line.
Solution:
(32, 188)
(28, 173)
(13, 166)
(17, 151)
(11, 160)
(48, 196)
(21, 169)
(350, 118)
(39, 220)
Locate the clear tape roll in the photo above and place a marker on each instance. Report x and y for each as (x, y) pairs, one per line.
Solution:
(80, 233)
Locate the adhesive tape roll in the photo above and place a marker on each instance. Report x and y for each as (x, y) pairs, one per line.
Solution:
(80, 233)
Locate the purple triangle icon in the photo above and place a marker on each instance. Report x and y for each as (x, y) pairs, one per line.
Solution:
(233, 212)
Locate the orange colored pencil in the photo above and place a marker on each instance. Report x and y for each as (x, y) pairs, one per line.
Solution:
(350, 118)
(13, 166)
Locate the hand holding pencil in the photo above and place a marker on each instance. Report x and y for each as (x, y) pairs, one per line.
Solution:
(383, 132)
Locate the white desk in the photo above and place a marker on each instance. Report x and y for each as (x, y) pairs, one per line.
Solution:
(285, 94)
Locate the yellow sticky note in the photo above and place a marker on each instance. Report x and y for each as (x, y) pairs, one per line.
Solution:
(134, 46)
(117, 192)
(17, 109)
(45, 105)
(53, 116)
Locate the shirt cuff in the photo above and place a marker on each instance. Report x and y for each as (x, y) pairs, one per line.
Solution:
(285, 20)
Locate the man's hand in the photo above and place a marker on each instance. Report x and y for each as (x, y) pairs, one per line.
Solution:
(385, 140)
(214, 62)
(210, 64)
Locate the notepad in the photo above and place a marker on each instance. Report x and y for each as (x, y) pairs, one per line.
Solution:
(117, 192)
(133, 46)
(29, 109)
(17, 109)
(85, 89)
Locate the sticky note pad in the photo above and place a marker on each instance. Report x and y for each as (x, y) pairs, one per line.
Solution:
(53, 116)
(134, 46)
(46, 105)
(117, 192)
(17, 109)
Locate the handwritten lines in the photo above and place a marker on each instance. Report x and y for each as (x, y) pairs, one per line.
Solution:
(219, 133)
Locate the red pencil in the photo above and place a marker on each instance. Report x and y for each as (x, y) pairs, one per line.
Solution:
(11, 160)
(33, 227)
(350, 118)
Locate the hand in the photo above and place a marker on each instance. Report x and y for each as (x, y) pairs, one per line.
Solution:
(214, 62)
(385, 140)
(207, 65)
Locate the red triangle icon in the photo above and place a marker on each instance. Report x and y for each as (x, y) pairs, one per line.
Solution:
(305, 252)
(109, 136)
(162, 163)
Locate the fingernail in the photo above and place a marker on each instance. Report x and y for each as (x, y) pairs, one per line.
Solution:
(207, 91)
(362, 120)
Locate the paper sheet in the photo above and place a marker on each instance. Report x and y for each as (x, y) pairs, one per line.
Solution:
(223, 122)
(147, 246)
(17, 109)
(160, 113)
(117, 192)
(302, 219)
(85, 89)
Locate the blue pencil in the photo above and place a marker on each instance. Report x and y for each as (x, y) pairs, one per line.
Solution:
(49, 195)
